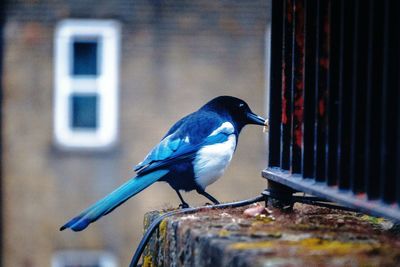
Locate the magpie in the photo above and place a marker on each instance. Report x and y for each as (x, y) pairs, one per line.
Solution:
(192, 155)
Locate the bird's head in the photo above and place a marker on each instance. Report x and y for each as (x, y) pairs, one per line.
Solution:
(236, 109)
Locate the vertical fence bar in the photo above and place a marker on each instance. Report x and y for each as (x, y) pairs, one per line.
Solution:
(385, 103)
(287, 86)
(354, 100)
(298, 86)
(345, 92)
(390, 90)
(322, 77)
(395, 72)
(275, 84)
(374, 96)
(397, 185)
(333, 100)
(358, 109)
(309, 88)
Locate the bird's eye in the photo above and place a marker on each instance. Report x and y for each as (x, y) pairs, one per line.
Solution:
(241, 105)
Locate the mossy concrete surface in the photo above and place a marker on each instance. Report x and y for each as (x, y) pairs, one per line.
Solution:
(308, 236)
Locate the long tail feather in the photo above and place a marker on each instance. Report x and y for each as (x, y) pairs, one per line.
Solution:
(113, 200)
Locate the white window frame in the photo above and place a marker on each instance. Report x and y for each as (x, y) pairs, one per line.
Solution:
(84, 258)
(105, 84)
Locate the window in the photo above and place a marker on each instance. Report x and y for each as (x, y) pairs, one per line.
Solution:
(71, 258)
(84, 57)
(86, 84)
(83, 111)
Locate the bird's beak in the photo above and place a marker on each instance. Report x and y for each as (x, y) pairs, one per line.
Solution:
(255, 119)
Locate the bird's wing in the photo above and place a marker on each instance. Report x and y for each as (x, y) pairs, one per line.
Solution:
(178, 145)
(165, 149)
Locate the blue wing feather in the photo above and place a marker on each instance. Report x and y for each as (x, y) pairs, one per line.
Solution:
(165, 149)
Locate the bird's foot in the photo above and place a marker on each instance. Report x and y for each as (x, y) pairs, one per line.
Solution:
(184, 206)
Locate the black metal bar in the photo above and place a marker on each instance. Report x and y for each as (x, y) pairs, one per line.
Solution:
(345, 92)
(374, 96)
(283, 191)
(309, 186)
(275, 83)
(390, 90)
(384, 150)
(297, 86)
(321, 80)
(396, 78)
(354, 100)
(309, 89)
(309, 200)
(286, 134)
(333, 100)
(359, 87)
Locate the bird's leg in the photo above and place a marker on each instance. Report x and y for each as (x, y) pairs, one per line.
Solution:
(184, 205)
(207, 195)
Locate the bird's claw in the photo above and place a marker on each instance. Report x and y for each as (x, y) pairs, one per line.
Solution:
(183, 206)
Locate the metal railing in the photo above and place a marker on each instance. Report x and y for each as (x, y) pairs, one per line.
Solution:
(335, 101)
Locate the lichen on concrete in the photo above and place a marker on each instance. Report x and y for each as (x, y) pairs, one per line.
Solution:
(309, 236)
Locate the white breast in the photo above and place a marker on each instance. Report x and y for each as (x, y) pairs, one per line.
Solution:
(211, 161)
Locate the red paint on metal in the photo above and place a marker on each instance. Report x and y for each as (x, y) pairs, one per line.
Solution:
(300, 40)
(289, 11)
(300, 83)
(321, 107)
(284, 116)
(324, 62)
(298, 114)
(299, 74)
(299, 107)
(284, 102)
(361, 196)
(298, 134)
(289, 20)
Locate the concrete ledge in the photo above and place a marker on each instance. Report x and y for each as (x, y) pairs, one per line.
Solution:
(309, 236)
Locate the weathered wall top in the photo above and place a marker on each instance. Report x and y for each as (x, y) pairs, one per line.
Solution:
(309, 236)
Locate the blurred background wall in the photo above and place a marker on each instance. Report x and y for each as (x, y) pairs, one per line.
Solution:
(174, 56)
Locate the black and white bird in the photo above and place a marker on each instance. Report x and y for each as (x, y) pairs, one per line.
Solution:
(192, 155)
